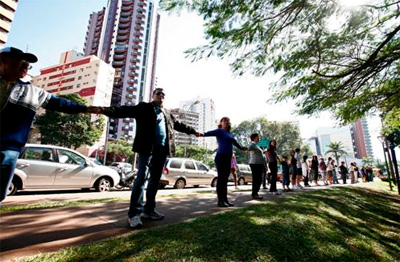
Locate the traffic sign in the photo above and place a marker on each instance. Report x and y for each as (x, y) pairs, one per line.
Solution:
(264, 143)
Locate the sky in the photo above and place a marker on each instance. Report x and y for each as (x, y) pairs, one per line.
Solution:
(49, 27)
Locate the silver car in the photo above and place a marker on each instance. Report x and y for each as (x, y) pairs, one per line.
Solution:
(181, 172)
(54, 167)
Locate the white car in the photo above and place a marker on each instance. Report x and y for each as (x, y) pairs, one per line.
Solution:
(55, 167)
(181, 172)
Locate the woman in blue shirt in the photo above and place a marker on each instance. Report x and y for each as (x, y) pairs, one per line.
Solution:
(223, 158)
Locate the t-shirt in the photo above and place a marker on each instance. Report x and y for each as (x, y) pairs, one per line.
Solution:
(161, 130)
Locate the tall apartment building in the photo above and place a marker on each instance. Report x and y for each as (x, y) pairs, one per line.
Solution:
(190, 119)
(125, 34)
(88, 76)
(361, 139)
(205, 107)
(7, 10)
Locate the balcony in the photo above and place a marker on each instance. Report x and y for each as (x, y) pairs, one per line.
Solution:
(134, 67)
(122, 38)
(137, 47)
(135, 61)
(131, 89)
(133, 74)
(125, 20)
(118, 64)
(127, 8)
(139, 28)
(132, 82)
(130, 97)
(119, 57)
(123, 31)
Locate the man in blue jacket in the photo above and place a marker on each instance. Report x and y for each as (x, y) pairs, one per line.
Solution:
(19, 102)
(154, 141)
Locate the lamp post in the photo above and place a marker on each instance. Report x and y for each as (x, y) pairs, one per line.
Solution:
(185, 112)
(385, 146)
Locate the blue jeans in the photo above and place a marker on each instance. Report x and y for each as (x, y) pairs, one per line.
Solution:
(152, 165)
(8, 161)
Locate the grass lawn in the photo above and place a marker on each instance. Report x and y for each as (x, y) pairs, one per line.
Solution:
(341, 224)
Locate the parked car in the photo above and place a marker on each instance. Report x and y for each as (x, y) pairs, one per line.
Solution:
(122, 166)
(55, 167)
(244, 175)
(181, 172)
(96, 161)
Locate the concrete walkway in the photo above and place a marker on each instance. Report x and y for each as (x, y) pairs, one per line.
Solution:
(31, 232)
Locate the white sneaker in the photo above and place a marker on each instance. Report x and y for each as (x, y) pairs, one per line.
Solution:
(135, 222)
(295, 187)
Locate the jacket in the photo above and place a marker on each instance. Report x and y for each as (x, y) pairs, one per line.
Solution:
(256, 154)
(17, 114)
(145, 116)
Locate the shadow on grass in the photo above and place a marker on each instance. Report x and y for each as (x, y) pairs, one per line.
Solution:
(341, 224)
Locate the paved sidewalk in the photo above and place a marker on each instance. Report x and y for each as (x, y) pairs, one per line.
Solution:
(31, 232)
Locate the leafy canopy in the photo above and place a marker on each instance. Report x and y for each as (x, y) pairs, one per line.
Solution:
(69, 130)
(329, 57)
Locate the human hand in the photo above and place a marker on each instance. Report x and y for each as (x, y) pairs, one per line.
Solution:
(95, 109)
(198, 134)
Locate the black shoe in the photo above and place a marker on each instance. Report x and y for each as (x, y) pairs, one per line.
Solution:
(222, 204)
(229, 204)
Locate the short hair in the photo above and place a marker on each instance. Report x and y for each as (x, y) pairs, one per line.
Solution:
(158, 89)
(297, 150)
(253, 136)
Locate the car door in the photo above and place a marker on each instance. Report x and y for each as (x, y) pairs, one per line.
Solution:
(192, 177)
(39, 165)
(204, 177)
(73, 170)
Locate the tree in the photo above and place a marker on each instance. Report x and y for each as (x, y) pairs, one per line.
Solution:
(337, 150)
(329, 57)
(306, 149)
(286, 134)
(121, 147)
(198, 153)
(69, 130)
(367, 161)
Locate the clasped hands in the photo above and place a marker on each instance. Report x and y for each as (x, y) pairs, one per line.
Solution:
(95, 109)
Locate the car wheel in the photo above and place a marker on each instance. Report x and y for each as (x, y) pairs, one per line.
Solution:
(241, 181)
(180, 183)
(214, 182)
(104, 184)
(12, 189)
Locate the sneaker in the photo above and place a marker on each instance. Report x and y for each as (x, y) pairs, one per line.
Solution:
(154, 215)
(257, 197)
(295, 187)
(135, 222)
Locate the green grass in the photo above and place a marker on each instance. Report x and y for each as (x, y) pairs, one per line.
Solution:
(341, 224)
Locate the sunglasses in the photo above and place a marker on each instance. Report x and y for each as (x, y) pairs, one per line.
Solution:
(160, 93)
(25, 65)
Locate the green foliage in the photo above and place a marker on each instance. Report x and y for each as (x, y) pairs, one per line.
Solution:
(367, 161)
(343, 60)
(120, 147)
(306, 150)
(337, 150)
(69, 130)
(286, 134)
(198, 153)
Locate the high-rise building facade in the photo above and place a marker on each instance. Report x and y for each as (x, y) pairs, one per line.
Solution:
(7, 10)
(190, 119)
(205, 107)
(361, 139)
(88, 76)
(124, 34)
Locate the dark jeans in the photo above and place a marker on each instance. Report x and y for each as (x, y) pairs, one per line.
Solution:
(223, 163)
(256, 172)
(8, 161)
(273, 168)
(153, 163)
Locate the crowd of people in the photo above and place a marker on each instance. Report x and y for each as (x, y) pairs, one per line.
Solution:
(154, 141)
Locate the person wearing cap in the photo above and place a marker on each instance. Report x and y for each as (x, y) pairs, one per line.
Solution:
(19, 102)
(154, 141)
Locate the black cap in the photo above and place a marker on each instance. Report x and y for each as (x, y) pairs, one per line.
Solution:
(15, 52)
